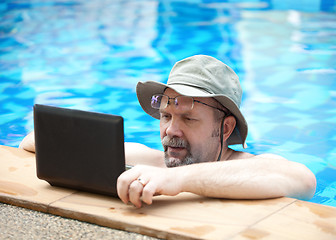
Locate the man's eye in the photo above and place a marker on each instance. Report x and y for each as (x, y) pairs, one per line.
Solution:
(164, 116)
(190, 119)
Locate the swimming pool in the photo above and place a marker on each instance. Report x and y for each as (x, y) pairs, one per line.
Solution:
(89, 55)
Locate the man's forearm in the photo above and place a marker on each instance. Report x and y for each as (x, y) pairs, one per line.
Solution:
(136, 153)
(255, 178)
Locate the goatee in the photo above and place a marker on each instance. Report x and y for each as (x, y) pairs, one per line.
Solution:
(176, 142)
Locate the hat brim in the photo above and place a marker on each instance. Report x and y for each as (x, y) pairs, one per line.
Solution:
(145, 91)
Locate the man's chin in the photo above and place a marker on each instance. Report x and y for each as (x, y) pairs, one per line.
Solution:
(173, 162)
(176, 162)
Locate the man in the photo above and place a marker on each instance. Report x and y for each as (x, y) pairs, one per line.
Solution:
(199, 117)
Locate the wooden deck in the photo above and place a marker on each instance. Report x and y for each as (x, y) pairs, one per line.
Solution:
(186, 216)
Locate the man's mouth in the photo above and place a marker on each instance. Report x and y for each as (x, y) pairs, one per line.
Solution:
(172, 148)
(175, 147)
(176, 152)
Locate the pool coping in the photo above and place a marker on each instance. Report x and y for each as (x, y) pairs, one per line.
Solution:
(186, 216)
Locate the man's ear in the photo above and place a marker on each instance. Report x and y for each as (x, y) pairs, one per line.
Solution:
(229, 126)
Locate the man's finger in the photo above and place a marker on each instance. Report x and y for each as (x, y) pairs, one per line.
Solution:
(148, 193)
(124, 182)
(135, 192)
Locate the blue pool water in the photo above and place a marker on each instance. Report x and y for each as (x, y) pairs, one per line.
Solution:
(89, 55)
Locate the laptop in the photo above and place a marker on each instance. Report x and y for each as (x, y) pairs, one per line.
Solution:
(79, 149)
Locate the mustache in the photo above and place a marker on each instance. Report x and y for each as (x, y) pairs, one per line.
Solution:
(174, 142)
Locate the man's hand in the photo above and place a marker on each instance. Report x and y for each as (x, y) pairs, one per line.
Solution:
(147, 181)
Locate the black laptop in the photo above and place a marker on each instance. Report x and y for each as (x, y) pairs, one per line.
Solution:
(79, 149)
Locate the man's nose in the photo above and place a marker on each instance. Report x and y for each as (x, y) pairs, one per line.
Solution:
(174, 128)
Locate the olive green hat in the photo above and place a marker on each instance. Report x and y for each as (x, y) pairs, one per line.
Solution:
(200, 76)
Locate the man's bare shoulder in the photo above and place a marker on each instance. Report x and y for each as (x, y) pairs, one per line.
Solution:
(240, 155)
(245, 155)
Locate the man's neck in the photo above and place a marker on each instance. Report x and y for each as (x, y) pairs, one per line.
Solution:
(230, 154)
(226, 154)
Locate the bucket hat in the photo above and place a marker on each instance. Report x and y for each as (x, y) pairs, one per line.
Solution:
(201, 76)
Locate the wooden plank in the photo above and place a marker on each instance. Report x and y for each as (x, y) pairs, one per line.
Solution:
(19, 184)
(186, 216)
(300, 220)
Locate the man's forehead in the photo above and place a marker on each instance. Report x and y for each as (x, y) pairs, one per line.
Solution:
(172, 93)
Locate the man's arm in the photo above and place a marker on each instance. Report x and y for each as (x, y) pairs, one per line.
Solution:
(136, 153)
(262, 176)
(259, 177)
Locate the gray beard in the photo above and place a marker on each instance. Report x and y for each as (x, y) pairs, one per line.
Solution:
(175, 162)
(176, 142)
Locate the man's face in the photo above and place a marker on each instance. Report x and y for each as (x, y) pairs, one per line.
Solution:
(189, 136)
